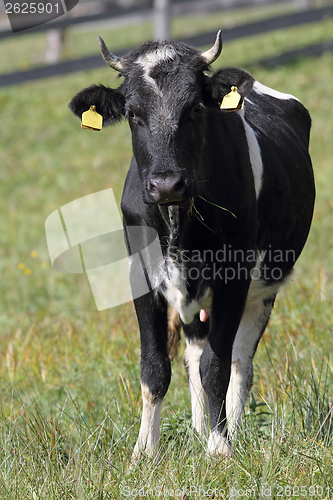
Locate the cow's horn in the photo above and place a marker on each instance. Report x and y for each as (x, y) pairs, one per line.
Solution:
(212, 54)
(110, 59)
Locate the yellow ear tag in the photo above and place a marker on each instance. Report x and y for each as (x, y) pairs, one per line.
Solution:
(232, 101)
(91, 119)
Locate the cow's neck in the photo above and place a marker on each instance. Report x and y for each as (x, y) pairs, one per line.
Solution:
(175, 288)
(174, 223)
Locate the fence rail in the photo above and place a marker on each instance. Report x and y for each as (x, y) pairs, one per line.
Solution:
(245, 30)
(113, 12)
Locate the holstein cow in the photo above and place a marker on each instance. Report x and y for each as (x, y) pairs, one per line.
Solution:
(231, 197)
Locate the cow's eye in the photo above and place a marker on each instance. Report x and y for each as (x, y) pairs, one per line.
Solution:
(197, 110)
(134, 118)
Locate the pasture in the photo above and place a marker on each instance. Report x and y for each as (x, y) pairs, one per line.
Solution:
(70, 395)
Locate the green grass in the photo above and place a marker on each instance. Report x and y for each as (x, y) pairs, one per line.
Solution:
(70, 398)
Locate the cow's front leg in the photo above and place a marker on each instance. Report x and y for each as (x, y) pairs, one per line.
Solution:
(215, 374)
(149, 433)
(215, 362)
(155, 370)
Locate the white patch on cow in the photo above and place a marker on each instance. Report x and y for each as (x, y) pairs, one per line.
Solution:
(254, 152)
(259, 290)
(176, 294)
(151, 59)
(192, 359)
(173, 274)
(149, 433)
(218, 445)
(259, 88)
(247, 100)
(173, 211)
(253, 321)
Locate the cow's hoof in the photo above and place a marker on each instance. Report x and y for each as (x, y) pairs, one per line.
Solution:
(147, 453)
(219, 445)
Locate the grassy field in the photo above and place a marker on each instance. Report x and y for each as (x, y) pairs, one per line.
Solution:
(70, 400)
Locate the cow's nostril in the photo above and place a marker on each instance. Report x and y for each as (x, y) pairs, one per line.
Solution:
(167, 188)
(179, 187)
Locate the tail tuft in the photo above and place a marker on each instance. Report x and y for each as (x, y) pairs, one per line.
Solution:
(174, 327)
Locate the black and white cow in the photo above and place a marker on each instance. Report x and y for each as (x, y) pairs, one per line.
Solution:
(231, 196)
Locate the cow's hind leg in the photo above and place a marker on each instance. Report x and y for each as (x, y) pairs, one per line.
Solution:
(196, 338)
(251, 328)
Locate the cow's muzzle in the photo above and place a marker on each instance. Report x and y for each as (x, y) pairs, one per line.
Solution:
(167, 188)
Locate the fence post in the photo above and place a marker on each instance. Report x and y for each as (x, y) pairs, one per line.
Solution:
(55, 39)
(162, 15)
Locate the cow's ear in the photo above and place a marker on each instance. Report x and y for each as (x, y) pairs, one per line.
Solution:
(221, 83)
(110, 103)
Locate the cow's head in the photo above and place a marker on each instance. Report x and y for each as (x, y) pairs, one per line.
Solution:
(166, 96)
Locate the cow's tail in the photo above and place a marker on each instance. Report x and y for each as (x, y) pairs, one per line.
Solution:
(174, 327)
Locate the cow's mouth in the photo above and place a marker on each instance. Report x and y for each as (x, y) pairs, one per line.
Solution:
(180, 204)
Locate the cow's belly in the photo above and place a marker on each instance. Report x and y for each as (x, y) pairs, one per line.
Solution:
(174, 288)
(186, 307)
(175, 291)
